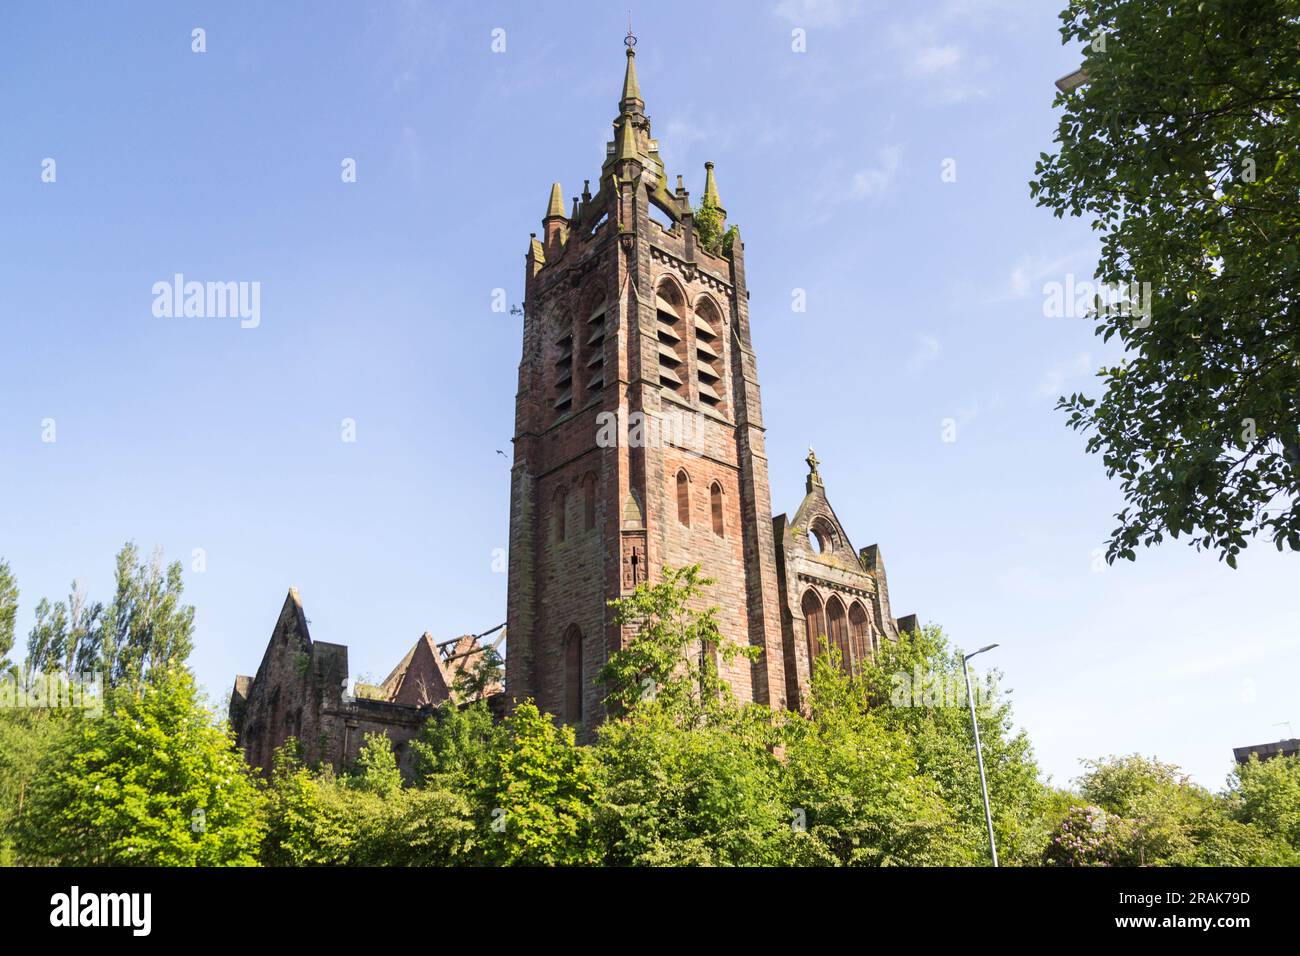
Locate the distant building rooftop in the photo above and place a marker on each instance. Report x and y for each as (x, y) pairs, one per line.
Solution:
(1283, 748)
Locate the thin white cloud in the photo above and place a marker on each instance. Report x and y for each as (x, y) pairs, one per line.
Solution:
(872, 182)
(1020, 282)
(935, 58)
(818, 13)
(683, 134)
(952, 95)
(1054, 379)
(1027, 275)
(927, 350)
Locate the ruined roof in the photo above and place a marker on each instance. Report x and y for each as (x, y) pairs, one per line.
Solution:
(420, 677)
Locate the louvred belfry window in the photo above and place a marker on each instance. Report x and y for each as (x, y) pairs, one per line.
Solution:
(563, 365)
(593, 350)
(674, 373)
(708, 354)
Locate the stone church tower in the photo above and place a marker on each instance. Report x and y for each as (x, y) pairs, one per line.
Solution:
(638, 445)
(638, 428)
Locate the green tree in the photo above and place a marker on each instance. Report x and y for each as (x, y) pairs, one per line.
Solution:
(1160, 802)
(474, 680)
(678, 794)
(1266, 794)
(27, 735)
(857, 787)
(1089, 836)
(1222, 840)
(446, 817)
(422, 827)
(916, 688)
(152, 782)
(708, 228)
(687, 775)
(145, 625)
(544, 796)
(458, 747)
(8, 614)
(313, 819)
(1182, 148)
(674, 655)
(66, 637)
(376, 768)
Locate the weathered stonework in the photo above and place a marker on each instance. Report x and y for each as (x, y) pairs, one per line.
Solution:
(639, 444)
(830, 594)
(629, 319)
(300, 691)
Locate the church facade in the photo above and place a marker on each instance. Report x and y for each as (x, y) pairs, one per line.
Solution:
(638, 444)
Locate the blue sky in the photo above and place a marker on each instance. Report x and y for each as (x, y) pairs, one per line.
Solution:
(924, 303)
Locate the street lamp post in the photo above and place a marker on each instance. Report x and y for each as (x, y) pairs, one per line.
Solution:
(979, 752)
(1072, 81)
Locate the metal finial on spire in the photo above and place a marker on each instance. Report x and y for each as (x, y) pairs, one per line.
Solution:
(630, 101)
(630, 40)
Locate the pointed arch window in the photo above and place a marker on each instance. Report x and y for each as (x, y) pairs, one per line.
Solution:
(562, 359)
(670, 313)
(573, 675)
(859, 633)
(633, 513)
(708, 354)
(684, 498)
(837, 632)
(715, 508)
(814, 623)
(593, 351)
(561, 505)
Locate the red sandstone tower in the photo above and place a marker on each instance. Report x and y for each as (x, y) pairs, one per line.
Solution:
(638, 428)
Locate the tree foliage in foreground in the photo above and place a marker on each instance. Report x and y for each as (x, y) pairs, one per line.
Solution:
(684, 775)
(1183, 148)
(917, 689)
(1140, 811)
(152, 782)
(8, 614)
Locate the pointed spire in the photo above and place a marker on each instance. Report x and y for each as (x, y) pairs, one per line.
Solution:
(626, 148)
(711, 188)
(631, 89)
(631, 101)
(556, 206)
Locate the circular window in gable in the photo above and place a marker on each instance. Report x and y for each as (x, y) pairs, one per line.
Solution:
(821, 536)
